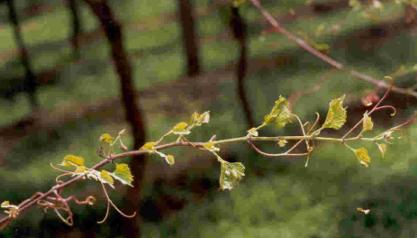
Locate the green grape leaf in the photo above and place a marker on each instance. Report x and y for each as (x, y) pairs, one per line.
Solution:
(200, 119)
(280, 113)
(106, 177)
(230, 174)
(170, 159)
(283, 118)
(80, 169)
(210, 146)
(106, 138)
(181, 129)
(72, 160)
(149, 147)
(336, 115)
(363, 156)
(122, 174)
(382, 149)
(367, 124)
(282, 142)
(5, 204)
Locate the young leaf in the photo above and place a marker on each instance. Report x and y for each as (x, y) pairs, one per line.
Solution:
(382, 149)
(367, 124)
(280, 113)
(170, 159)
(5, 204)
(106, 177)
(122, 173)
(283, 118)
(363, 156)
(282, 142)
(72, 160)
(210, 146)
(149, 147)
(336, 115)
(199, 119)
(230, 174)
(106, 138)
(80, 169)
(181, 129)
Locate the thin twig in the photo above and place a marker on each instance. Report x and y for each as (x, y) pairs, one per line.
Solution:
(325, 58)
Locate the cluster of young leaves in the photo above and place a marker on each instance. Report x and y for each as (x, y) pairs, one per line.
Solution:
(120, 173)
(336, 118)
(180, 130)
(231, 173)
(74, 166)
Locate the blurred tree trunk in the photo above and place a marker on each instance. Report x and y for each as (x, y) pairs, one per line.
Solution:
(189, 39)
(30, 82)
(73, 8)
(239, 29)
(113, 32)
(410, 15)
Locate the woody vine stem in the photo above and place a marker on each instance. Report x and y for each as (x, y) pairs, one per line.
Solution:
(74, 169)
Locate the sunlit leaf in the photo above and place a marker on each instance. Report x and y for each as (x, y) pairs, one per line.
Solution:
(106, 138)
(231, 174)
(106, 177)
(122, 174)
(210, 146)
(72, 160)
(80, 169)
(199, 119)
(367, 124)
(363, 156)
(280, 113)
(282, 142)
(5, 204)
(181, 129)
(382, 149)
(336, 115)
(149, 147)
(283, 118)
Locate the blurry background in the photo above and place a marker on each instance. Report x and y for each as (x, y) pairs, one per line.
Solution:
(59, 91)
